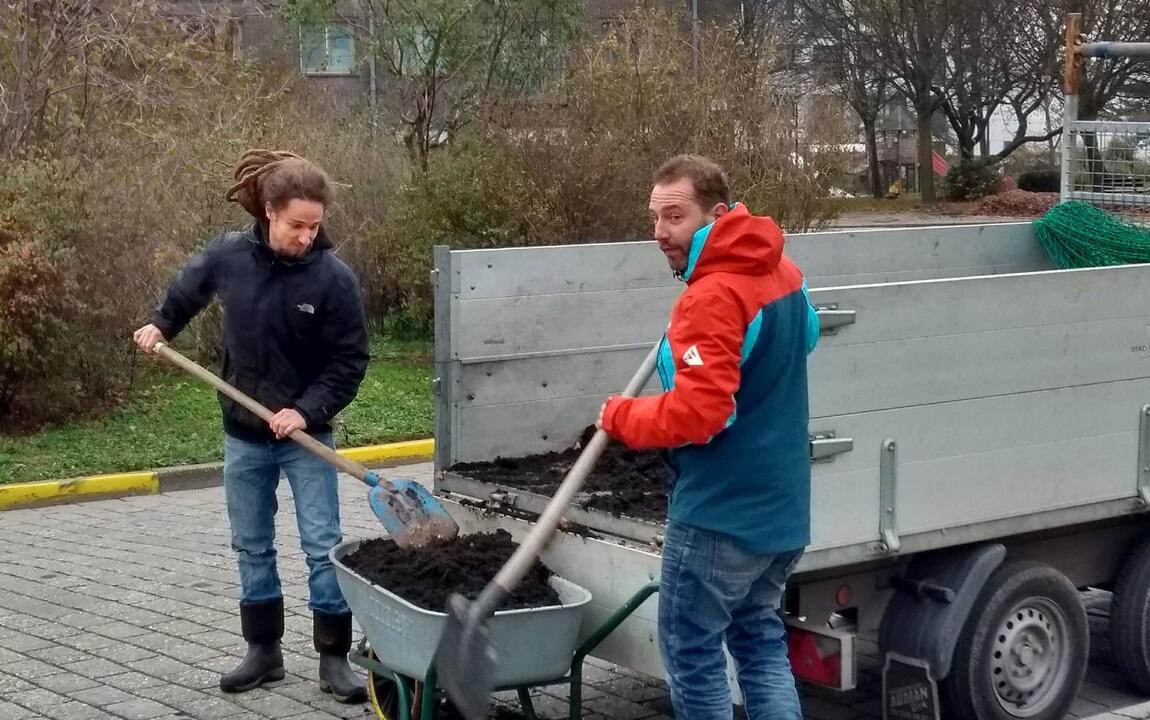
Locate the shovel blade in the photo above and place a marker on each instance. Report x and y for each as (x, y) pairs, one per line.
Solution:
(465, 660)
(411, 515)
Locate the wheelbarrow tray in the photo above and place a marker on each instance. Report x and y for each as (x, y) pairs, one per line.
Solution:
(534, 644)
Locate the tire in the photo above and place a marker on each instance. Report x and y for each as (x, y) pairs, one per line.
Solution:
(1130, 618)
(1023, 650)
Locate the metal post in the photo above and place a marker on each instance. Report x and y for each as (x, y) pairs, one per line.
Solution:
(1072, 74)
(1069, 116)
(442, 283)
(695, 38)
(1115, 50)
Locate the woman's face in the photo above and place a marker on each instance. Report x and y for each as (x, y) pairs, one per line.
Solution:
(293, 227)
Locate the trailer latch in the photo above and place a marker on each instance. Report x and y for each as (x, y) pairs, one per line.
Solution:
(831, 318)
(824, 446)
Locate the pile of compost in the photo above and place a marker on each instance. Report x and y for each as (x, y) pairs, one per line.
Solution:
(426, 576)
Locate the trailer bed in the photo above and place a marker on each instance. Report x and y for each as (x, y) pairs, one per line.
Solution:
(962, 389)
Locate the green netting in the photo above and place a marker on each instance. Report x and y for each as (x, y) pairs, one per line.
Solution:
(1078, 235)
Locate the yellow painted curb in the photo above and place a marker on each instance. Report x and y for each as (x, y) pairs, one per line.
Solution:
(16, 495)
(410, 450)
(20, 494)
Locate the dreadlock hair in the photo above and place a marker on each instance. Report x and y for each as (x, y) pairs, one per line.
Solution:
(276, 177)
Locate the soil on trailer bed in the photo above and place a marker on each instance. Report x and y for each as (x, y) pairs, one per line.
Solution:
(624, 482)
(426, 576)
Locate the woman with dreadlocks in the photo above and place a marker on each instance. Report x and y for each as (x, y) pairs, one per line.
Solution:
(295, 340)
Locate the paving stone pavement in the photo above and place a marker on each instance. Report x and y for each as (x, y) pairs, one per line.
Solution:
(126, 609)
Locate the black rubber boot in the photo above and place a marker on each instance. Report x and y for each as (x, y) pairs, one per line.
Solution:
(332, 634)
(263, 627)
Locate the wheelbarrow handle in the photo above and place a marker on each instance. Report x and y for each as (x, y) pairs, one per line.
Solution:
(300, 436)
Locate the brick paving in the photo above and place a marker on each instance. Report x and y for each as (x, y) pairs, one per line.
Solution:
(126, 609)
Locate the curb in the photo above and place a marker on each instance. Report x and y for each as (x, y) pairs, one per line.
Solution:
(1130, 712)
(184, 477)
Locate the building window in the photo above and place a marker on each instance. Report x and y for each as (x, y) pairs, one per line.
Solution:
(327, 50)
(413, 51)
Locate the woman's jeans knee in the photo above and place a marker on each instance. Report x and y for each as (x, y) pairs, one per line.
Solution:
(714, 593)
(251, 476)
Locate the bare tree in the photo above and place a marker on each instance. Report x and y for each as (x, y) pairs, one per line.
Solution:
(66, 65)
(909, 39)
(845, 60)
(1003, 56)
(445, 58)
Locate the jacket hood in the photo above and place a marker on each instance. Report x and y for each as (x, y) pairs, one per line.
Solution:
(738, 242)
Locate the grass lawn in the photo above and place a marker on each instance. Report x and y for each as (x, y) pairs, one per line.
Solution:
(174, 419)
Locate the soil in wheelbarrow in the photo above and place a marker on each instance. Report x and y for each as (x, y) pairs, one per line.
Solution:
(624, 482)
(426, 576)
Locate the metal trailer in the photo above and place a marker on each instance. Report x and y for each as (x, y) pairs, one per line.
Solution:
(980, 437)
(980, 448)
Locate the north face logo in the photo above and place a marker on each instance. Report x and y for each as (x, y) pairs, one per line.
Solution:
(692, 356)
(306, 307)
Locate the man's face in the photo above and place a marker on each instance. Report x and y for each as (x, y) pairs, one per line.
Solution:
(676, 215)
(292, 228)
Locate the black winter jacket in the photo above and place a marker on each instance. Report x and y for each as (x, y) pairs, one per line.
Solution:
(294, 329)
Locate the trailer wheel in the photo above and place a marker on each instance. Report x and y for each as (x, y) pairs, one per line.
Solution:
(1130, 618)
(1022, 652)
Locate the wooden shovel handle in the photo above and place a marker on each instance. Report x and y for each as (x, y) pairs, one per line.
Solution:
(348, 466)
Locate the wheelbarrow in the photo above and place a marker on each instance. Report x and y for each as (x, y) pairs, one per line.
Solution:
(538, 647)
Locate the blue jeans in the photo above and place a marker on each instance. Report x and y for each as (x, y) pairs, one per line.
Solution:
(251, 475)
(710, 591)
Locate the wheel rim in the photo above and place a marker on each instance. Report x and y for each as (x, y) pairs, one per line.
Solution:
(1030, 659)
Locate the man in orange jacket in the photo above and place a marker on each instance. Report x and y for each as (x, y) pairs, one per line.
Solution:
(733, 417)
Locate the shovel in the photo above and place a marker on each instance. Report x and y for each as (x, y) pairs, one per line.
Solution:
(465, 660)
(410, 514)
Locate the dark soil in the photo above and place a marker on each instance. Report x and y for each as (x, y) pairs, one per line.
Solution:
(426, 576)
(624, 482)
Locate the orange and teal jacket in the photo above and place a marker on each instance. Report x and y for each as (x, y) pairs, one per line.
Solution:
(733, 413)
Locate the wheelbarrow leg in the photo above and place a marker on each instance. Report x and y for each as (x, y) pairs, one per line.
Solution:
(404, 702)
(526, 704)
(428, 703)
(575, 708)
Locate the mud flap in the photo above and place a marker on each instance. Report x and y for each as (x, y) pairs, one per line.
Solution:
(909, 691)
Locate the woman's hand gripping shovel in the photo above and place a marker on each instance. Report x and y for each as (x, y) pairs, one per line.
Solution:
(410, 514)
(465, 660)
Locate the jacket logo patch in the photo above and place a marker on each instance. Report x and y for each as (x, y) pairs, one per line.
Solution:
(306, 307)
(692, 356)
